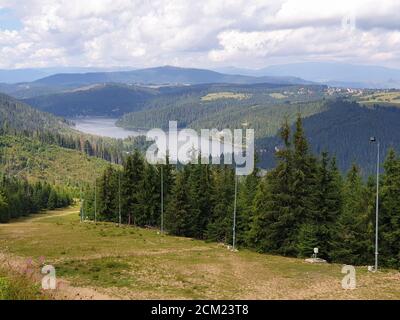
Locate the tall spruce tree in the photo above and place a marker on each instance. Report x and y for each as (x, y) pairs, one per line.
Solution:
(305, 197)
(352, 239)
(390, 212)
(149, 198)
(272, 228)
(178, 220)
(247, 191)
(108, 195)
(132, 180)
(220, 223)
(319, 230)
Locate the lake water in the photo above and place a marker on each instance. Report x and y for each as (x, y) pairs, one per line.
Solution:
(104, 127)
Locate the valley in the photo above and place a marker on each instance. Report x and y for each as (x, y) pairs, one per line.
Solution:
(204, 155)
(104, 127)
(81, 137)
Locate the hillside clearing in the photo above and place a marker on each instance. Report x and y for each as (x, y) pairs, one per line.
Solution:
(225, 95)
(27, 157)
(98, 261)
(392, 97)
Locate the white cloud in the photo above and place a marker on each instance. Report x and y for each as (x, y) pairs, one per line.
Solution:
(199, 33)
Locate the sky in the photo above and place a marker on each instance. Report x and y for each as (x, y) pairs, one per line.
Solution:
(194, 33)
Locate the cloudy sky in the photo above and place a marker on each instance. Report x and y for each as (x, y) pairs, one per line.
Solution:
(215, 33)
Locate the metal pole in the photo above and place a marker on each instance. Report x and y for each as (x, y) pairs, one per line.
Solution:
(119, 199)
(80, 195)
(95, 200)
(162, 200)
(234, 212)
(377, 210)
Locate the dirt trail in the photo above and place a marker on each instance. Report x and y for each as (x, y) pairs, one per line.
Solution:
(32, 269)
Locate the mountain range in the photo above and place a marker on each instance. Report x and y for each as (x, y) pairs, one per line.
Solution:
(330, 73)
(160, 76)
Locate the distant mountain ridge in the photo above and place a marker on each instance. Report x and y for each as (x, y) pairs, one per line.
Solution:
(162, 75)
(31, 74)
(330, 73)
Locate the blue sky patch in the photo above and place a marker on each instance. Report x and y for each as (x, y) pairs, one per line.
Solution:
(8, 21)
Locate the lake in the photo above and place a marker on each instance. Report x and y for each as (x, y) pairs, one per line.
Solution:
(104, 127)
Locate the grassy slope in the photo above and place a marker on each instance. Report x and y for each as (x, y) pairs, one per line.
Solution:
(35, 160)
(136, 263)
(391, 98)
(18, 287)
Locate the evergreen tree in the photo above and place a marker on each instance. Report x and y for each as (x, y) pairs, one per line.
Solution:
(178, 220)
(352, 240)
(273, 228)
(4, 217)
(133, 175)
(389, 220)
(246, 195)
(305, 189)
(52, 202)
(319, 229)
(108, 195)
(201, 203)
(149, 198)
(219, 227)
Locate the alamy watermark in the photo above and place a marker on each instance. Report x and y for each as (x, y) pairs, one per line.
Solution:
(49, 281)
(349, 280)
(212, 146)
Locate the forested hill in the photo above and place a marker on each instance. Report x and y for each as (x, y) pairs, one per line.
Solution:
(261, 106)
(344, 130)
(97, 100)
(172, 102)
(20, 117)
(160, 75)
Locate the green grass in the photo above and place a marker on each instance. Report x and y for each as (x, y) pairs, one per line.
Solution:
(385, 98)
(18, 287)
(134, 263)
(277, 95)
(37, 161)
(225, 95)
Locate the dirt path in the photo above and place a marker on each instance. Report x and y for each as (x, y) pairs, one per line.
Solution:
(32, 269)
(106, 262)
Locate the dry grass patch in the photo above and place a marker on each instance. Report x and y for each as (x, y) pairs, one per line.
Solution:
(133, 263)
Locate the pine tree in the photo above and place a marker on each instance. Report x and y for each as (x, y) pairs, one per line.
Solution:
(308, 239)
(107, 195)
(319, 230)
(246, 194)
(390, 212)
(52, 201)
(219, 227)
(200, 188)
(133, 175)
(352, 239)
(274, 225)
(305, 189)
(178, 220)
(260, 235)
(4, 217)
(149, 198)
